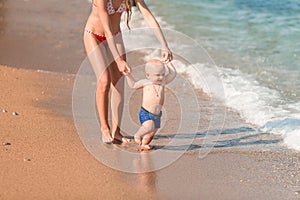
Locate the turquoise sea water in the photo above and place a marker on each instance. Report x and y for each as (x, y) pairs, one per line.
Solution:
(262, 36)
(256, 46)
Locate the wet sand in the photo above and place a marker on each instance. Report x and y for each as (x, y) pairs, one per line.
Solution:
(45, 35)
(42, 156)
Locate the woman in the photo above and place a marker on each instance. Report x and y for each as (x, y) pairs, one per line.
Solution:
(103, 26)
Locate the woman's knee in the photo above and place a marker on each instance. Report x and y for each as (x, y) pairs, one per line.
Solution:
(103, 86)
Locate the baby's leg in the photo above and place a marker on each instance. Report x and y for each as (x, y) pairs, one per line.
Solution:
(147, 139)
(146, 128)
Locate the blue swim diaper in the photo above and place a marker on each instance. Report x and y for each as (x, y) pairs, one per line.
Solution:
(146, 115)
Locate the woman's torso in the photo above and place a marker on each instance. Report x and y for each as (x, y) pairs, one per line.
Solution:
(94, 22)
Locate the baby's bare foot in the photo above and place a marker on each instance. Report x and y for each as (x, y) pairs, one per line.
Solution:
(138, 139)
(146, 146)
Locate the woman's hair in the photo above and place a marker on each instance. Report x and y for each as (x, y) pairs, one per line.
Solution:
(128, 4)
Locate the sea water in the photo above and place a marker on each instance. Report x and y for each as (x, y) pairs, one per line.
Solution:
(256, 47)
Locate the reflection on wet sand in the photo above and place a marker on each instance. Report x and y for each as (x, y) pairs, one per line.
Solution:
(145, 181)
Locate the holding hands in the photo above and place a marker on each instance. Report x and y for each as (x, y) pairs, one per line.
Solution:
(166, 55)
(123, 66)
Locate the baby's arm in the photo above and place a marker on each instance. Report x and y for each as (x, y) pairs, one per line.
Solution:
(135, 84)
(172, 72)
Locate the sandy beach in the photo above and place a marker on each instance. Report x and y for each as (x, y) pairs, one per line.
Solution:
(43, 157)
(41, 154)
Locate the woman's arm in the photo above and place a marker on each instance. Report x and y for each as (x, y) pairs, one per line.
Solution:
(103, 16)
(152, 23)
(172, 72)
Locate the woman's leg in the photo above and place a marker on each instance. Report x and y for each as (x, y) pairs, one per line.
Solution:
(97, 56)
(117, 93)
(117, 100)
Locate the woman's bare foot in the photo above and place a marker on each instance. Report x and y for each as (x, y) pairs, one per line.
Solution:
(106, 137)
(118, 137)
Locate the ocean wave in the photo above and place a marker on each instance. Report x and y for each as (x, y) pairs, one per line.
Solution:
(257, 104)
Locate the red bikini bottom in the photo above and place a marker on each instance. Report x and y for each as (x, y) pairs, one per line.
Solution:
(101, 38)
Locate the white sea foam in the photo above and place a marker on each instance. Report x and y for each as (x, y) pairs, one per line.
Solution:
(292, 139)
(262, 106)
(256, 104)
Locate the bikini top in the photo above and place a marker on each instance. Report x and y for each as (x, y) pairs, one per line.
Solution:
(110, 9)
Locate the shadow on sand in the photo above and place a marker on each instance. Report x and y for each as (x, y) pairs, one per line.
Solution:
(220, 138)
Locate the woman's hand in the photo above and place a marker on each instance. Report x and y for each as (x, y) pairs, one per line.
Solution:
(166, 55)
(123, 66)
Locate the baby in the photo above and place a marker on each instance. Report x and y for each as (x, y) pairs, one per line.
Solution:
(153, 98)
